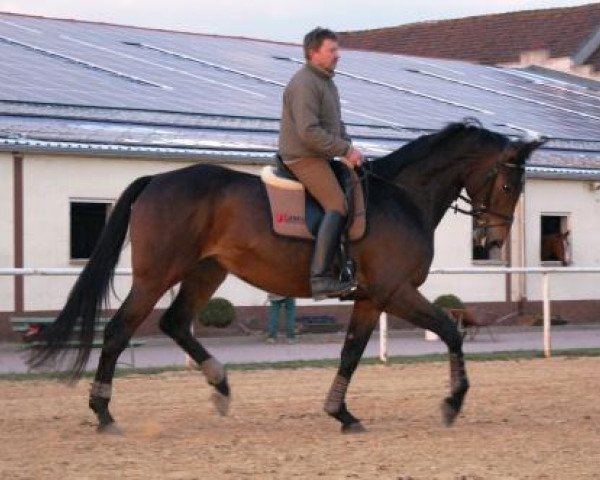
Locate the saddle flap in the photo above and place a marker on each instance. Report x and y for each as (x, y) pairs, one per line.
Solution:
(295, 213)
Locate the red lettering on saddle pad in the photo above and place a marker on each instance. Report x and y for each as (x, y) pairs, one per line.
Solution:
(287, 218)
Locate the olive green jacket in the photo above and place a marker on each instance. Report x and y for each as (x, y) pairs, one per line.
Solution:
(311, 120)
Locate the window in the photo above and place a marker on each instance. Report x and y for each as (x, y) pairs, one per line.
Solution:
(555, 239)
(87, 221)
(481, 254)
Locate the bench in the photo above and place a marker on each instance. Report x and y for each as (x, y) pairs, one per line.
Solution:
(25, 325)
(317, 324)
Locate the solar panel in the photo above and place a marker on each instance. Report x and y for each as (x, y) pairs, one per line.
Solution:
(397, 88)
(79, 62)
(161, 66)
(506, 94)
(16, 25)
(565, 94)
(130, 70)
(206, 63)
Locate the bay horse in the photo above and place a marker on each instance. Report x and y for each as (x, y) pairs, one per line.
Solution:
(195, 225)
(555, 247)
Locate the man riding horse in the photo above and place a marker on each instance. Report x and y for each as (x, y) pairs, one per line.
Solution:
(190, 227)
(312, 133)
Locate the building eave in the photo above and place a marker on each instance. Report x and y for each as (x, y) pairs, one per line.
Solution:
(226, 156)
(245, 157)
(554, 173)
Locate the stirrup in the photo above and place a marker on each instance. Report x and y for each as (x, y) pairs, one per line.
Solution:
(334, 291)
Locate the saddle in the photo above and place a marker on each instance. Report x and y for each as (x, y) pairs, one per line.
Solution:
(295, 212)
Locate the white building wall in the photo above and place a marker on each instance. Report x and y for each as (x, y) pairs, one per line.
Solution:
(582, 205)
(453, 250)
(6, 230)
(50, 182)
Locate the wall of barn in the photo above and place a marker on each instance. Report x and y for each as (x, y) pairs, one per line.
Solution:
(581, 204)
(50, 183)
(453, 249)
(6, 230)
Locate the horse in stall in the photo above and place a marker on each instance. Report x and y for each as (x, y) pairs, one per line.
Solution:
(555, 247)
(194, 225)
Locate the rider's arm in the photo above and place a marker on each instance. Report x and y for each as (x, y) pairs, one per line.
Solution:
(304, 101)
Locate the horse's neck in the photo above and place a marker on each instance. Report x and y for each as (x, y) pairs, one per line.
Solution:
(433, 185)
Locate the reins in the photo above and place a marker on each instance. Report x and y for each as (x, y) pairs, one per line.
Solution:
(476, 211)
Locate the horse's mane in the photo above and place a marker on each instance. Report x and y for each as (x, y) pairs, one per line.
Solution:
(424, 146)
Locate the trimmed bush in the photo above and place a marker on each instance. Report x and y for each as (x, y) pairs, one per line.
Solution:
(218, 312)
(448, 301)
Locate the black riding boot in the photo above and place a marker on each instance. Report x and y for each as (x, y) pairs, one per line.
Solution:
(322, 281)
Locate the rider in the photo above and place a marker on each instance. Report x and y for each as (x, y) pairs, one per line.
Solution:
(312, 133)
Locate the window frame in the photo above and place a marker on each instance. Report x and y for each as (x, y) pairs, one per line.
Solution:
(109, 202)
(502, 261)
(565, 226)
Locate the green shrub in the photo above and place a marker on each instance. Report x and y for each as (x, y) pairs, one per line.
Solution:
(448, 301)
(218, 312)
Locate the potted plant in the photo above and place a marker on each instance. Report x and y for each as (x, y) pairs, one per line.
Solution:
(218, 312)
(454, 308)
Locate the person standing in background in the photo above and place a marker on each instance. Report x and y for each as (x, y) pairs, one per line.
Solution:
(278, 303)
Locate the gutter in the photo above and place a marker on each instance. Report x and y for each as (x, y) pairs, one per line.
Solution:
(234, 156)
(562, 173)
(251, 157)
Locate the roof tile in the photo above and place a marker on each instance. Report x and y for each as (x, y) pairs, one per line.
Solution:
(487, 39)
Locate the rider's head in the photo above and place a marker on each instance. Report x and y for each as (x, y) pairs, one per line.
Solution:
(321, 48)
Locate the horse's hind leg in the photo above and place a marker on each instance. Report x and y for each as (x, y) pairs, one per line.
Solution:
(409, 304)
(196, 289)
(134, 310)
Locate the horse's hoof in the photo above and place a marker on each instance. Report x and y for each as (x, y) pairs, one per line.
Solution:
(355, 427)
(223, 387)
(221, 403)
(449, 412)
(110, 429)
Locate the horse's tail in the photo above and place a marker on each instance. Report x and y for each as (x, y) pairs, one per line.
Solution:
(89, 293)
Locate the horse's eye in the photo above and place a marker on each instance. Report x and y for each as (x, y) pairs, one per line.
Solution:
(506, 188)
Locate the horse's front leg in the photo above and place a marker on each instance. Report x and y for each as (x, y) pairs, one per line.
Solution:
(364, 318)
(409, 304)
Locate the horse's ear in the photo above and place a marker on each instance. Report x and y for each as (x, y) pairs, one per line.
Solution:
(525, 147)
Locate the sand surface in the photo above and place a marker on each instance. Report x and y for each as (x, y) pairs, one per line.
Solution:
(522, 420)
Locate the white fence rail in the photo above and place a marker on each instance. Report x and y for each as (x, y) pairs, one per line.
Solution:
(27, 272)
(383, 331)
(544, 271)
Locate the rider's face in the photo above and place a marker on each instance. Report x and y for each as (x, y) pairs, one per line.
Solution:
(327, 55)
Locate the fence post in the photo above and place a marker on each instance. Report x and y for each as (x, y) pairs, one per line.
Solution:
(383, 334)
(547, 322)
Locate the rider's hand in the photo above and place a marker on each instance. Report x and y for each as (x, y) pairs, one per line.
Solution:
(355, 157)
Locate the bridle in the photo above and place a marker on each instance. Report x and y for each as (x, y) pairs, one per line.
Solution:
(477, 210)
(482, 208)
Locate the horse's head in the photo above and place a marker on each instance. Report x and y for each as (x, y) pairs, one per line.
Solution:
(494, 183)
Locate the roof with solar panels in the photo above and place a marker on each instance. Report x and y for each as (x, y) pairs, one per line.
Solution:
(78, 86)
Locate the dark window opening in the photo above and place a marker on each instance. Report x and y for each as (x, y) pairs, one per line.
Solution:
(479, 252)
(87, 222)
(555, 237)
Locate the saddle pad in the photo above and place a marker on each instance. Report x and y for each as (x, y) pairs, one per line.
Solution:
(288, 199)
